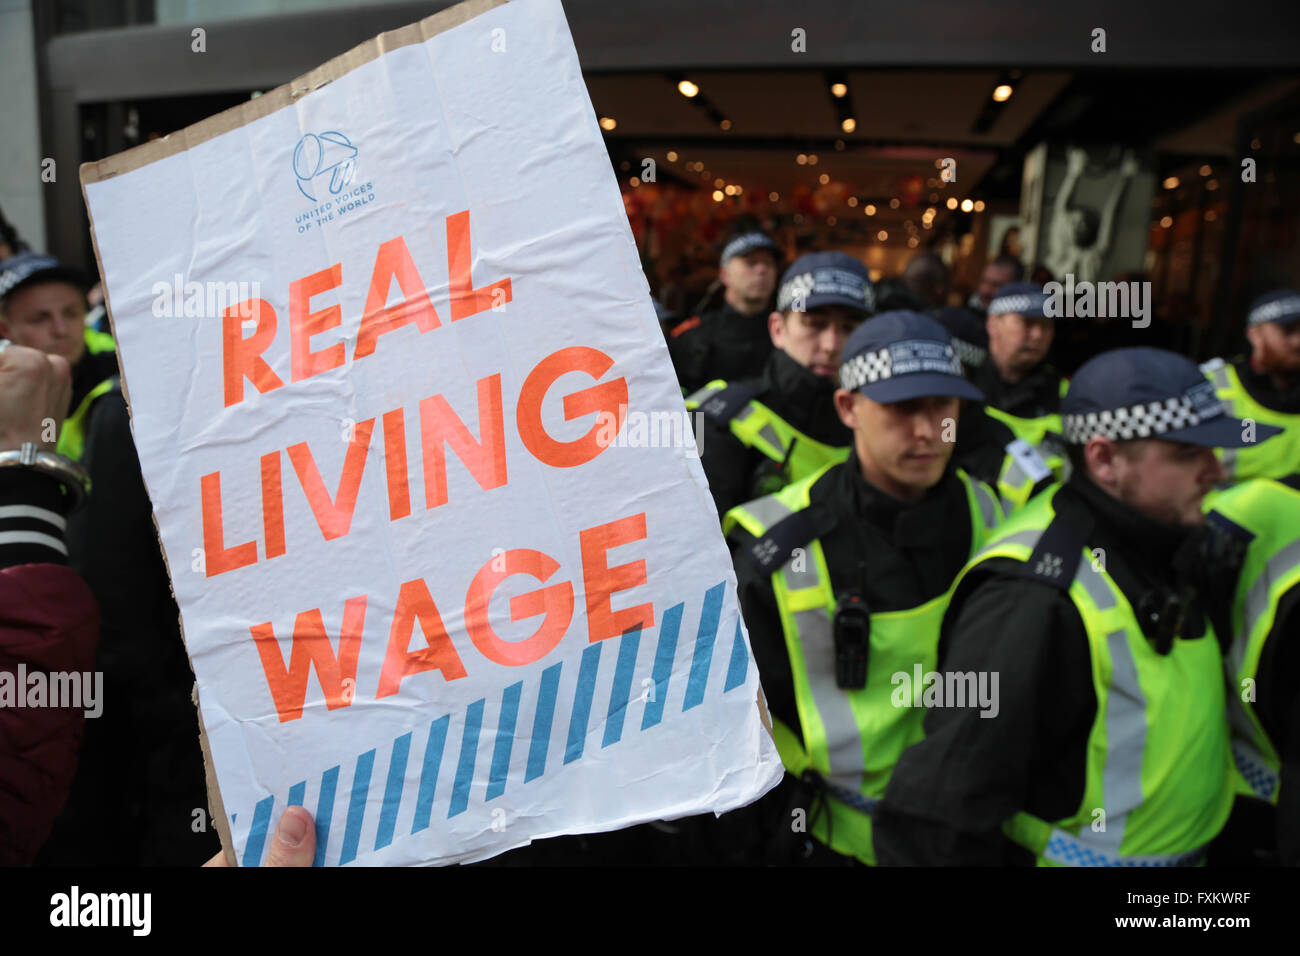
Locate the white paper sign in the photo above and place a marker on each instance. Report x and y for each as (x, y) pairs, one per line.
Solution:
(448, 570)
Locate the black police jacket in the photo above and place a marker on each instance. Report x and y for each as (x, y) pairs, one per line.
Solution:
(951, 792)
(897, 555)
(803, 399)
(1035, 395)
(721, 343)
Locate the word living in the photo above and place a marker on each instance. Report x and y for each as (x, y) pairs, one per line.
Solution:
(950, 689)
(103, 909)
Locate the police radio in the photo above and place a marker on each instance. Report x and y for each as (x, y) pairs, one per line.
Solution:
(851, 627)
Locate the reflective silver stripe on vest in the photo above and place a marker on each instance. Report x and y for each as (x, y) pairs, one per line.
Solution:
(1261, 778)
(1219, 376)
(843, 739)
(769, 435)
(745, 412)
(1071, 851)
(1027, 538)
(988, 508)
(769, 511)
(1126, 742)
(1013, 475)
(1258, 602)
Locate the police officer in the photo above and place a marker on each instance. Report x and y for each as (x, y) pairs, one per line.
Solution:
(730, 342)
(1266, 387)
(1262, 666)
(764, 432)
(43, 306)
(843, 578)
(1110, 745)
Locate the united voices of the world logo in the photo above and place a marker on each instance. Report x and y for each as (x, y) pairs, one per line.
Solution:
(325, 165)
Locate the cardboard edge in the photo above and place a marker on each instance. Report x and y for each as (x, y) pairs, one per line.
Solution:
(285, 95)
(216, 809)
(200, 132)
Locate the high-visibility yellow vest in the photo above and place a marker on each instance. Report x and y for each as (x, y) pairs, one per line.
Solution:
(1275, 458)
(1270, 511)
(1158, 782)
(851, 738)
(72, 437)
(1044, 435)
(757, 426)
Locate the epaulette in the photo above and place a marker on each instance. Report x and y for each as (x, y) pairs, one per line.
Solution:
(770, 552)
(684, 326)
(721, 408)
(1212, 365)
(1056, 557)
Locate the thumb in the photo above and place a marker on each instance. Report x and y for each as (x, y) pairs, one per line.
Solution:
(294, 842)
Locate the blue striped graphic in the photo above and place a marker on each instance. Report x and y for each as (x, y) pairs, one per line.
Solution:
(622, 683)
(468, 756)
(542, 723)
(582, 702)
(393, 792)
(663, 666)
(257, 835)
(357, 806)
(739, 661)
(622, 686)
(699, 678)
(505, 737)
(324, 812)
(429, 772)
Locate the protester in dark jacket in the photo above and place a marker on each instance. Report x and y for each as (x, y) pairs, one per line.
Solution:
(48, 618)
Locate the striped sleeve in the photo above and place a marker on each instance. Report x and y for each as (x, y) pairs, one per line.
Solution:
(32, 522)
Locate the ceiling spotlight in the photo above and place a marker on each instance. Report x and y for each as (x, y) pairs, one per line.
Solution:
(979, 205)
(729, 190)
(725, 124)
(967, 205)
(635, 181)
(1171, 182)
(853, 201)
(812, 159)
(1001, 93)
(823, 179)
(913, 242)
(717, 195)
(849, 124)
(882, 235)
(801, 159)
(1206, 170)
(894, 203)
(773, 196)
(952, 202)
(870, 210)
(1166, 222)
(608, 122)
(672, 157)
(719, 183)
(687, 88)
(839, 90)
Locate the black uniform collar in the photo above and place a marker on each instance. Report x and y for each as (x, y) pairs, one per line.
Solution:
(802, 398)
(1147, 546)
(1261, 389)
(1037, 394)
(908, 524)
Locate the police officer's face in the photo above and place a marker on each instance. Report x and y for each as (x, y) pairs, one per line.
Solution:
(815, 339)
(902, 447)
(49, 316)
(1165, 480)
(1275, 347)
(1016, 343)
(993, 278)
(751, 277)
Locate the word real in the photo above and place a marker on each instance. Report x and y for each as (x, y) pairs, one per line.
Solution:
(950, 689)
(1099, 300)
(102, 909)
(73, 690)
